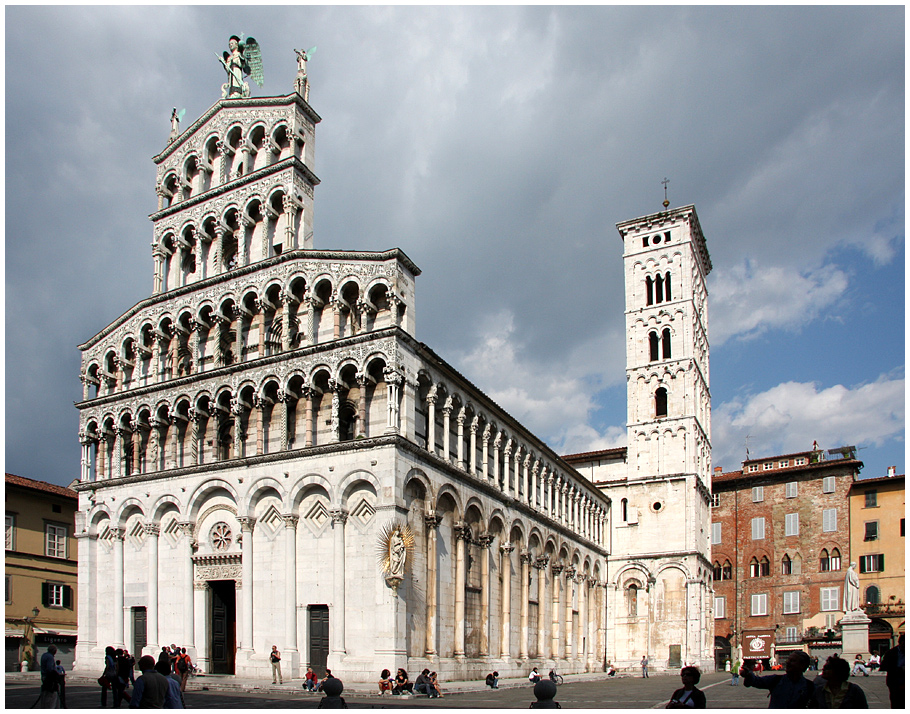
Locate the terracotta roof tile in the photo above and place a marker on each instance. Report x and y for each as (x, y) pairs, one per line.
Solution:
(41, 486)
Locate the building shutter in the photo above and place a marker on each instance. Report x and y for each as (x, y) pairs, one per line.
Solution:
(68, 597)
(45, 594)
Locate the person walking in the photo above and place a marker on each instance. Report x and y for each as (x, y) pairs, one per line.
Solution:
(182, 666)
(689, 696)
(644, 666)
(108, 676)
(61, 684)
(833, 690)
(275, 659)
(790, 690)
(734, 671)
(48, 697)
(163, 666)
(152, 690)
(893, 667)
(123, 674)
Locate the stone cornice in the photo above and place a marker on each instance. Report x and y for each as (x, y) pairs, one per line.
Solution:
(291, 161)
(226, 372)
(289, 256)
(288, 99)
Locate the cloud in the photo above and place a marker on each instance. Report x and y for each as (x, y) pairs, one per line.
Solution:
(789, 417)
(748, 299)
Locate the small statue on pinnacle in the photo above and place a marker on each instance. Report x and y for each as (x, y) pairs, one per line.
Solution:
(302, 84)
(244, 59)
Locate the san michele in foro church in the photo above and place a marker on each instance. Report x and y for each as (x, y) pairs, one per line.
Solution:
(270, 400)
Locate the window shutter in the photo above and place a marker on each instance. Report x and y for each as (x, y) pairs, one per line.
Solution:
(45, 588)
(68, 597)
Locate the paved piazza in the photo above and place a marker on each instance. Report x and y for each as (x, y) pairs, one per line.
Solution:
(621, 693)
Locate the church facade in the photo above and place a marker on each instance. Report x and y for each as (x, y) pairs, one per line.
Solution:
(271, 457)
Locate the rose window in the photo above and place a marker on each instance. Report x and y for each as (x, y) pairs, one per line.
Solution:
(221, 536)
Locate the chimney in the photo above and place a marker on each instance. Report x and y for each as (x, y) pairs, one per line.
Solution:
(892, 470)
(718, 470)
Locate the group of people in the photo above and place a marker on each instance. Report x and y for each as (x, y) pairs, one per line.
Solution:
(427, 683)
(160, 685)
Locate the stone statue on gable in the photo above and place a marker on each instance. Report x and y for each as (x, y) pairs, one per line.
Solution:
(301, 84)
(244, 59)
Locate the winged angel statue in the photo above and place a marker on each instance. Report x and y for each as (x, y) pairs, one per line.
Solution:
(244, 59)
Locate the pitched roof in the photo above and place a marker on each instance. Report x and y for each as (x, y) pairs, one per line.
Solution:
(29, 483)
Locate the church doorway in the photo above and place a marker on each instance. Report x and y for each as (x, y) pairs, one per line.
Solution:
(319, 638)
(223, 626)
(140, 633)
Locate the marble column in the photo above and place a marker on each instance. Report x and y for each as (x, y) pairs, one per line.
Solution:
(484, 542)
(186, 558)
(362, 381)
(486, 452)
(569, 627)
(593, 653)
(506, 468)
(136, 442)
(583, 643)
(462, 533)
(246, 564)
(556, 571)
(393, 382)
(431, 422)
(308, 396)
(523, 607)
(339, 518)
(460, 419)
(475, 424)
(446, 429)
(85, 459)
(152, 531)
(432, 523)
(117, 535)
(497, 442)
(541, 565)
(290, 580)
(505, 606)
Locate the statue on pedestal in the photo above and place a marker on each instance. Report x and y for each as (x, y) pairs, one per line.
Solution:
(301, 84)
(851, 590)
(244, 59)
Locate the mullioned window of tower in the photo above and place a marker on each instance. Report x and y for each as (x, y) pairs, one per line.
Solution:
(658, 288)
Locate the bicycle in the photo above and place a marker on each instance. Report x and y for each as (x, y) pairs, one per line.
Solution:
(556, 678)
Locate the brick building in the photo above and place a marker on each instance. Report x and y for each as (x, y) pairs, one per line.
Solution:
(40, 571)
(877, 545)
(780, 536)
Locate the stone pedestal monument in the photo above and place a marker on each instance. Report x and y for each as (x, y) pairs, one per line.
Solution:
(855, 624)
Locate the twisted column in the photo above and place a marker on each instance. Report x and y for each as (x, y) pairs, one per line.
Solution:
(393, 382)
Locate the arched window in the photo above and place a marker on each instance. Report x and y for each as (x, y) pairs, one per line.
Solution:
(727, 573)
(652, 343)
(718, 571)
(754, 570)
(667, 287)
(624, 509)
(666, 342)
(660, 402)
(659, 288)
(873, 596)
(835, 559)
(649, 287)
(765, 566)
(632, 600)
(786, 565)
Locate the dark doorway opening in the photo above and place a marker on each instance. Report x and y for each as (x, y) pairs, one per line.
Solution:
(140, 632)
(319, 637)
(224, 624)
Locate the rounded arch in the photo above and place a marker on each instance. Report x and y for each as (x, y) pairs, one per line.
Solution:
(128, 508)
(259, 486)
(448, 490)
(165, 503)
(306, 485)
(349, 483)
(205, 490)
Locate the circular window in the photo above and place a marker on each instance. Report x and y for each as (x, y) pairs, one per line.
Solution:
(657, 506)
(655, 240)
(221, 536)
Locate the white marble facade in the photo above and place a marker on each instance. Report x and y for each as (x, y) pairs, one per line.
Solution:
(250, 429)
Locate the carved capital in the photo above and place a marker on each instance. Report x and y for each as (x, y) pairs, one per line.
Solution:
(246, 524)
(485, 540)
(506, 548)
(117, 533)
(392, 376)
(290, 520)
(556, 568)
(338, 515)
(541, 562)
(432, 521)
(462, 531)
(152, 529)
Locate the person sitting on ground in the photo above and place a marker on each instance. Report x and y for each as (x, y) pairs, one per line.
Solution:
(402, 685)
(552, 675)
(328, 676)
(545, 691)
(788, 691)
(493, 680)
(422, 683)
(435, 689)
(874, 661)
(833, 691)
(333, 688)
(689, 696)
(153, 690)
(385, 682)
(859, 666)
(534, 676)
(310, 680)
(610, 670)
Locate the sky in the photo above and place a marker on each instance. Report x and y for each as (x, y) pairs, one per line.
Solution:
(498, 147)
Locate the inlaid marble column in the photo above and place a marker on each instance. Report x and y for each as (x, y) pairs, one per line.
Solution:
(290, 207)
(239, 435)
(171, 462)
(308, 397)
(569, 626)
(393, 382)
(119, 437)
(462, 533)
(336, 389)
(497, 442)
(524, 605)
(259, 405)
(431, 421)
(286, 301)
(85, 460)
(247, 525)
(484, 542)
(117, 535)
(556, 571)
(459, 420)
(505, 605)
(311, 303)
(195, 447)
(152, 532)
(136, 443)
(186, 562)
(339, 518)
(541, 565)
(506, 468)
(446, 429)
(432, 523)
(290, 581)
(475, 425)
(487, 431)
(362, 381)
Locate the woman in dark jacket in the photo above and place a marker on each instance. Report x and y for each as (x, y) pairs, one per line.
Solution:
(689, 696)
(402, 684)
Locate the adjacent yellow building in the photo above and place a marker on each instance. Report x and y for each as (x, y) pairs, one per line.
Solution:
(40, 572)
(877, 546)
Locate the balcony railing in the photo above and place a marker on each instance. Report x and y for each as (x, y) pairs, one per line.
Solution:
(895, 608)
